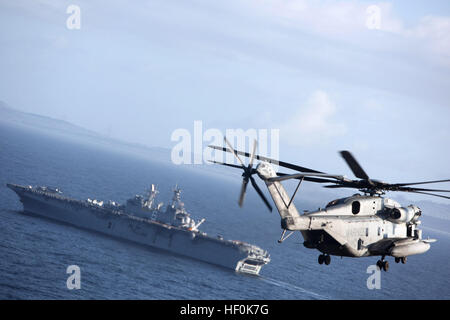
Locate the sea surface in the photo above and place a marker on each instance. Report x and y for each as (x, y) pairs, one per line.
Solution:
(35, 252)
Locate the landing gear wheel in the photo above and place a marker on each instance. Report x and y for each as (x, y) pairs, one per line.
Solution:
(321, 259)
(404, 260)
(327, 259)
(397, 260)
(380, 264)
(385, 265)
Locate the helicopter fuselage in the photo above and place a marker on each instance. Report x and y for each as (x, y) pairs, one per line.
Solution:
(355, 226)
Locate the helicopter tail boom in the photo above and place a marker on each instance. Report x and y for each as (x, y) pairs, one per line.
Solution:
(290, 218)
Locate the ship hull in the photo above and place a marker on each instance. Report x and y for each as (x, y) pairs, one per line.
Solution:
(192, 244)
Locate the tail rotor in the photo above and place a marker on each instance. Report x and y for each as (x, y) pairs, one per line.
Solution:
(246, 175)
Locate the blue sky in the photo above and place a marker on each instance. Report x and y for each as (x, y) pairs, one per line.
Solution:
(139, 70)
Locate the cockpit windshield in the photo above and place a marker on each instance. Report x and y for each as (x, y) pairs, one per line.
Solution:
(336, 202)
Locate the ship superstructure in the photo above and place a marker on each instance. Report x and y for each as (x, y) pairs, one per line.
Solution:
(141, 219)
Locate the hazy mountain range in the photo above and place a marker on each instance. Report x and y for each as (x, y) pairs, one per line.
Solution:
(66, 130)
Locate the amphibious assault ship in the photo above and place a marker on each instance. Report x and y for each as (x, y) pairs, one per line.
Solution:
(143, 221)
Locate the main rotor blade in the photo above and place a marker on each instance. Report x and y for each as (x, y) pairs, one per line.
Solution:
(234, 152)
(431, 194)
(333, 186)
(310, 179)
(243, 190)
(318, 180)
(226, 164)
(424, 182)
(354, 165)
(269, 160)
(419, 189)
(300, 175)
(261, 194)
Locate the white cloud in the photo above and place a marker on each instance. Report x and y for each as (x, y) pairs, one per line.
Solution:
(435, 32)
(328, 18)
(373, 106)
(347, 20)
(314, 123)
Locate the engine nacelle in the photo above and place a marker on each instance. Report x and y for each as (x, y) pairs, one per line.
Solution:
(409, 214)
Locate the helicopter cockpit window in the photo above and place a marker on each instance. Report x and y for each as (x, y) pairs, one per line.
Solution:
(332, 203)
(335, 202)
(356, 206)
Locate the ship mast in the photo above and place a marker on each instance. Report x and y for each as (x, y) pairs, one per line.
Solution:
(151, 197)
(176, 200)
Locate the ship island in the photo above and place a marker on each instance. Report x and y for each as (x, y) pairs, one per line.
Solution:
(142, 220)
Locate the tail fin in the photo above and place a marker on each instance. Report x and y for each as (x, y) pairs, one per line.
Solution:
(287, 210)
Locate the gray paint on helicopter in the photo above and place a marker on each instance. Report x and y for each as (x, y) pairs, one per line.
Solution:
(360, 225)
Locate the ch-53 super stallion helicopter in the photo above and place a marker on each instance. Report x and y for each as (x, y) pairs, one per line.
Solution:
(361, 225)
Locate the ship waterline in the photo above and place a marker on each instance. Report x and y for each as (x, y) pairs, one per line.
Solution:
(142, 222)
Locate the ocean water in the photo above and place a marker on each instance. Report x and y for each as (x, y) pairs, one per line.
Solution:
(35, 252)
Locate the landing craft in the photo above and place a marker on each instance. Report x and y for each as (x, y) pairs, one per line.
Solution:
(360, 225)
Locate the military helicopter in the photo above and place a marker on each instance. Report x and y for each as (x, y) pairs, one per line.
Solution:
(360, 225)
